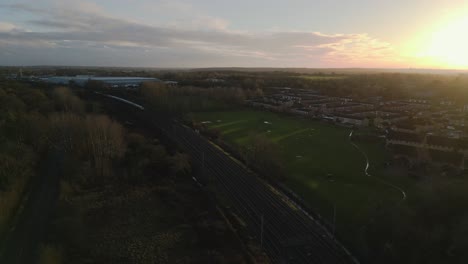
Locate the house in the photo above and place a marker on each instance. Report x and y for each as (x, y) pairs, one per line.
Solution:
(446, 103)
(442, 157)
(284, 99)
(417, 101)
(415, 125)
(465, 108)
(352, 120)
(215, 80)
(404, 138)
(300, 111)
(444, 143)
(171, 83)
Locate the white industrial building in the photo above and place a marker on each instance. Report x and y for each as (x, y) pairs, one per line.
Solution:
(111, 81)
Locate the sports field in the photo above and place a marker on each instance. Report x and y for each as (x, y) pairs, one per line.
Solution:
(322, 166)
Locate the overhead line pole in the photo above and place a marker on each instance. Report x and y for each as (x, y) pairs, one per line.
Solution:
(261, 233)
(334, 220)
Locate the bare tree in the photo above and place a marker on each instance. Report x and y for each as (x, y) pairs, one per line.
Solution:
(180, 164)
(105, 142)
(66, 132)
(263, 154)
(67, 101)
(95, 138)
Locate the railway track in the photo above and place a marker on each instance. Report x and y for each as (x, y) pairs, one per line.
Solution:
(286, 232)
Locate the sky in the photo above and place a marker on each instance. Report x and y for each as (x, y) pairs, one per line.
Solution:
(240, 33)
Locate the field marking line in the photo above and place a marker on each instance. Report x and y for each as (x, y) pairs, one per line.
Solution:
(297, 132)
(220, 125)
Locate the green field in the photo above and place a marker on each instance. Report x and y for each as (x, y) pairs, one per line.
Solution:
(321, 164)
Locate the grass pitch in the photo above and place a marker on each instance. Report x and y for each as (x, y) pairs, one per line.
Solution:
(321, 164)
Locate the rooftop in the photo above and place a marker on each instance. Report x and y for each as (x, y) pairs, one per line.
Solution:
(410, 137)
(81, 79)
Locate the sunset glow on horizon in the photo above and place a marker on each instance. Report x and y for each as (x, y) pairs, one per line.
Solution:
(443, 46)
(189, 33)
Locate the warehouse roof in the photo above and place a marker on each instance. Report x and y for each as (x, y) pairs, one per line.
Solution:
(81, 79)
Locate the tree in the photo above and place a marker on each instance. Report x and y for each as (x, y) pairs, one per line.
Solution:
(104, 141)
(66, 133)
(180, 164)
(66, 101)
(263, 154)
(144, 159)
(95, 138)
(35, 100)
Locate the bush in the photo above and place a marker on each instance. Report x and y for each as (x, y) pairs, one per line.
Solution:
(50, 255)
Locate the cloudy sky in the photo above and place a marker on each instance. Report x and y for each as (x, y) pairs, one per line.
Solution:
(246, 33)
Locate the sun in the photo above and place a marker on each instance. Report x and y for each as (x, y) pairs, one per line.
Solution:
(448, 44)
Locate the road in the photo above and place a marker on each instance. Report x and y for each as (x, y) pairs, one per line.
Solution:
(22, 243)
(289, 235)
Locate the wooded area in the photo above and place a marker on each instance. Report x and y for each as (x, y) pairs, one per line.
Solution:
(123, 196)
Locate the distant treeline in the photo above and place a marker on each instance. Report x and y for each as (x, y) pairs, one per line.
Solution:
(352, 82)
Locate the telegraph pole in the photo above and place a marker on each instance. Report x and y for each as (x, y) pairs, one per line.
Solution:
(261, 232)
(203, 163)
(334, 220)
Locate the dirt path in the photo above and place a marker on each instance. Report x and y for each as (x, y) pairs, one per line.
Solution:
(366, 170)
(22, 243)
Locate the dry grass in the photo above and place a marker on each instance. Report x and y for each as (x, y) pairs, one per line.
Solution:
(50, 255)
(67, 190)
(145, 225)
(9, 202)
